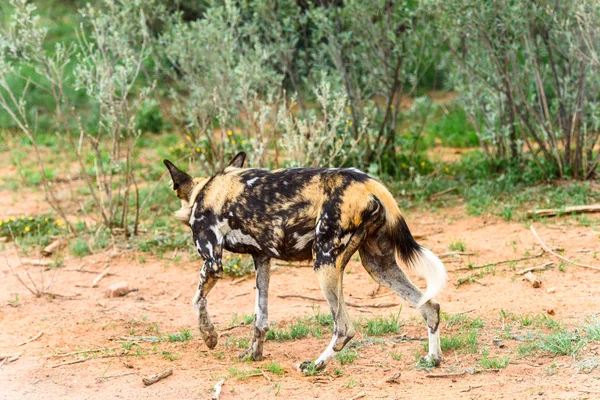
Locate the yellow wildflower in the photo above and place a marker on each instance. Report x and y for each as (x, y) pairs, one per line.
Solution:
(233, 141)
(170, 149)
(188, 137)
(235, 266)
(422, 163)
(227, 257)
(447, 169)
(197, 149)
(0, 222)
(22, 217)
(182, 145)
(59, 222)
(229, 133)
(27, 229)
(349, 123)
(7, 220)
(348, 110)
(46, 219)
(13, 219)
(30, 218)
(243, 142)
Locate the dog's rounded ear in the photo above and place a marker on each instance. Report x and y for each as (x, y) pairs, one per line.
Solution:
(238, 160)
(182, 182)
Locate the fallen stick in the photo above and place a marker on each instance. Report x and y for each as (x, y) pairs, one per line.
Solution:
(101, 378)
(542, 267)
(80, 352)
(446, 375)
(531, 278)
(2, 362)
(34, 262)
(99, 277)
(69, 362)
(218, 386)
(443, 192)
(32, 339)
(471, 388)
(501, 262)
(549, 250)
(152, 379)
(62, 296)
(52, 247)
(424, 235)
(297, 296)
(552, 212)
(456, 253)
(358, 396)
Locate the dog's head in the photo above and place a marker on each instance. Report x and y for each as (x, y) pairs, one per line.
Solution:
(188, 188)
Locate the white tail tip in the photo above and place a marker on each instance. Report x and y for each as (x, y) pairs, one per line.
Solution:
(430, 267)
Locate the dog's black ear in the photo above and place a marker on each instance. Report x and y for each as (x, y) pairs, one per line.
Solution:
(183, 184)
(238, 160)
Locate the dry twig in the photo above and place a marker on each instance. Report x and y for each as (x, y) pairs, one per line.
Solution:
(531, 278)
(152, 379)
(100, 276)
(542, 267)
(297, 296)
(501, 262)
(549, 250)
(32, 339)
(551, 212)
(218, 386)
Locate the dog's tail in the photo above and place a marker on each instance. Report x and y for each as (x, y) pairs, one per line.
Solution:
(416, 257)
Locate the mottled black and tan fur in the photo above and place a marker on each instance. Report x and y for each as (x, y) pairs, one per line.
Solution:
(319, 214)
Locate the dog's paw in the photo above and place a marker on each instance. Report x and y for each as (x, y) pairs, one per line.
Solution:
(250, 353)
(210, 338)
(309, 367)
(433, 359)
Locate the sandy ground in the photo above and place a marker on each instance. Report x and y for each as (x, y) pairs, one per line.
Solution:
(90, 321)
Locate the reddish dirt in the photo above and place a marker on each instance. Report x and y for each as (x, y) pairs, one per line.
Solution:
(91, 321)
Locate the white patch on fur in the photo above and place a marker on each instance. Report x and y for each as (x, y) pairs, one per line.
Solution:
(432, 269)
(209, 247)
(328, 353)
(221, 229)
(236, 236)
(304, 240)
(257, 315)
(435, 348)
(250, 182)
(198, 246)
(318, 226)
(274, 251)
(230, 214)
(346, 238)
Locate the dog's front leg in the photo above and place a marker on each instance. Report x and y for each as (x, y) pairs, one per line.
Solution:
(206, 282)
(209, 247)
(261, 312)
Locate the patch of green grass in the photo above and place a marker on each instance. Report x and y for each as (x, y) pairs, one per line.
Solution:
(311, 369)
(338, 372)
(347, 356)
(169, 356)
(242, 343)
(237, 266)
(242, 374)
(458, 245)
(183, 336)
(297, 330)
(493, 363)
(274, 368)
(351, 382)
(323, 319)
(380, 326)
(23, 226)
(453, 128)
(466, 343)
(80, 247)
(561, 343)
(528, 348)
(396, 355)
(592, 329)
(423, 363)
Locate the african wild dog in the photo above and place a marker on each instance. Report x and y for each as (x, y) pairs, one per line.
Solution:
(320, 214)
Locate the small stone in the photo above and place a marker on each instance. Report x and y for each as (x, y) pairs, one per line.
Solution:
(551, 290)
(550, 311)
(498, 342)
(117, 289)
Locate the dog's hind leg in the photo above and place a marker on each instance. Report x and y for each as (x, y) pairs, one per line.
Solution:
(262, 264)
(378, 257)
(333, 248)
